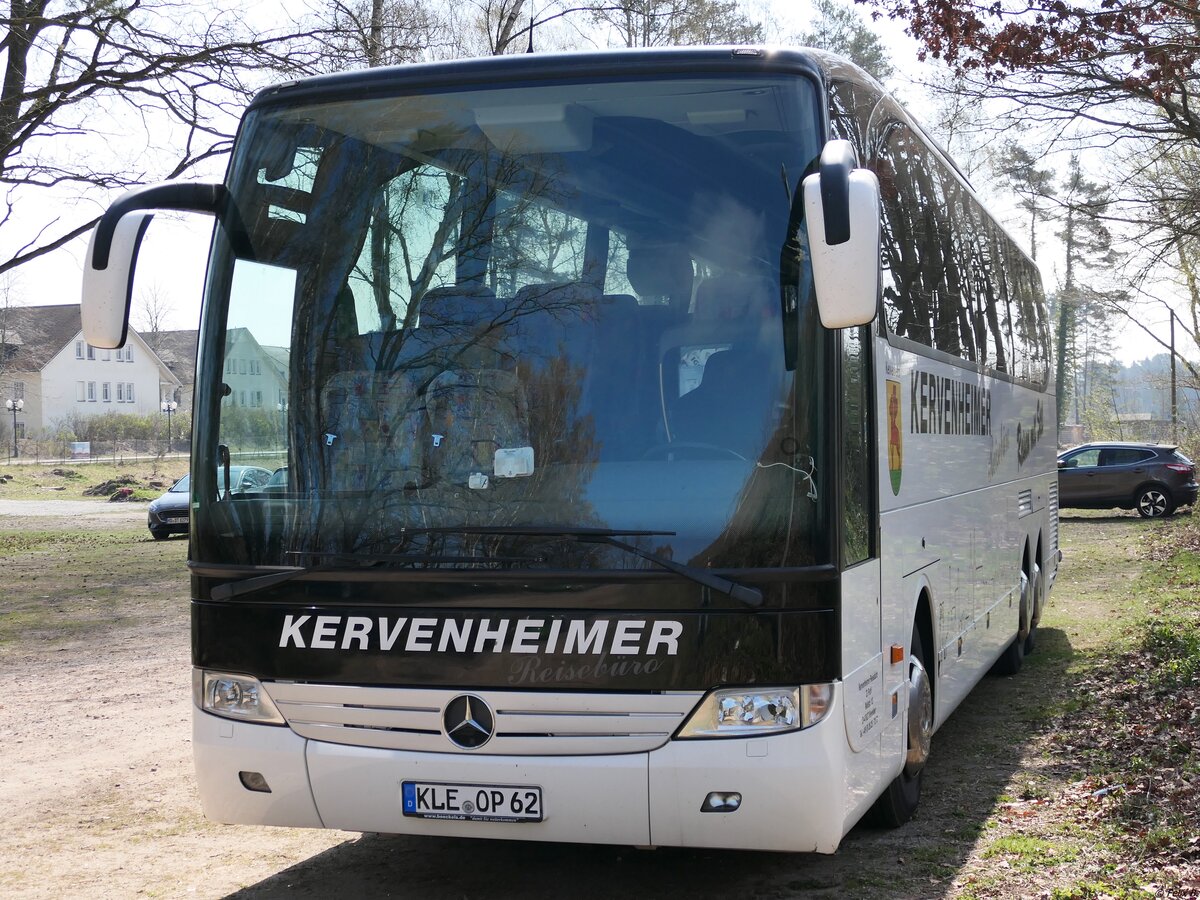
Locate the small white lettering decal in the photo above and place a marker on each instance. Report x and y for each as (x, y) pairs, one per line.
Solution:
(495, 635)
(527, 631)
(627, 637)
(580, 642)
(291, 631)
(456, 633)
(357, 629)
(552, 639)
(388, 638)
(667, 635)
(325, 633)
(420, 635)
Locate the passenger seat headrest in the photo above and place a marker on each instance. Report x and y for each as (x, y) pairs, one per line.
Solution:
(661, 271)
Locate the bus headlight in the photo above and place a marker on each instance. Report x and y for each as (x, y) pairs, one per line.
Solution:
(747, 712)
(234, 697)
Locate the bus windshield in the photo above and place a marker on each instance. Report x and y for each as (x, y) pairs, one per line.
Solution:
(541, 306)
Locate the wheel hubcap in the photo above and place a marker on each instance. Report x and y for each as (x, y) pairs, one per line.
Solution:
(920, 717)
(1153, 503)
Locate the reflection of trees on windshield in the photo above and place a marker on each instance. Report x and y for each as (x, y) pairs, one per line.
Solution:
(417, 375)
(467, 349)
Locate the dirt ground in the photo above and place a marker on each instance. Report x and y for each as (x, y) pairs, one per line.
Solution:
(98, 797)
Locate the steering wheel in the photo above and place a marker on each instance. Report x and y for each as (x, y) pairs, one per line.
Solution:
(692, 450)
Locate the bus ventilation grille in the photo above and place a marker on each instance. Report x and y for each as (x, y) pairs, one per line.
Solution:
(526, 723)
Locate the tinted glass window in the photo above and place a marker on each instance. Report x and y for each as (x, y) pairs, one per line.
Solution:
(856, 443)
(541, 305)
(1084, 458)
(1124, 456)
(952, 279)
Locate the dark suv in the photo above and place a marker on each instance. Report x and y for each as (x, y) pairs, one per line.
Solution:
(1154, 479)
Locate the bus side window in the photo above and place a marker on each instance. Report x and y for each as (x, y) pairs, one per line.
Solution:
(856, 447)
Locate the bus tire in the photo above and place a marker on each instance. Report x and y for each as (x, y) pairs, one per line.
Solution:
(1013, 656)
(1038, 589)
(900, 798)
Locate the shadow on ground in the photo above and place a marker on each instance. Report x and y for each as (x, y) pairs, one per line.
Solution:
(977, 756)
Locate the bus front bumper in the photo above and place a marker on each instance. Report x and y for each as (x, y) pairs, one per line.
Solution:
(792, 787)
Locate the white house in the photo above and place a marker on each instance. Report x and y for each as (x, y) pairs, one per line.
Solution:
(45, 362)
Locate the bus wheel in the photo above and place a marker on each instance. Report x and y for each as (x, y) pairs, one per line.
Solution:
(1038, 598)
(1010, 660)
(899, 800)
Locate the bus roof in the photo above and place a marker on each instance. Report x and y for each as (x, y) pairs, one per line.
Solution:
(607, 64)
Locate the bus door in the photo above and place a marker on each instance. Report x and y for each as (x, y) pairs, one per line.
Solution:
(868, 704)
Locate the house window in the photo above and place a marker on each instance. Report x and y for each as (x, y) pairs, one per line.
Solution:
(243, 398)
(80, 392)
(91, 352)
(258, 398)
(21, 430)
(242, 369)
(18, 390)
(120, 392)
(106, 392)
(91, 391)
(108, 355)
(128, 354)
(128, 392)
(79, 349)
(229, 366)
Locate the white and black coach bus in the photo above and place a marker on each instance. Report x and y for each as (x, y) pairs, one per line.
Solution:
(664, 446)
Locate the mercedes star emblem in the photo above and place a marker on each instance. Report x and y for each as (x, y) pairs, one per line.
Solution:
(468, 722)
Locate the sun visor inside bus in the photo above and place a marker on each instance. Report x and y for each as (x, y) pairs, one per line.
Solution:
(537, 128)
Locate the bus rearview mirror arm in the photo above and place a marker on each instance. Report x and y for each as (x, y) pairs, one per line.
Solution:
(841, 207)
(112, 253)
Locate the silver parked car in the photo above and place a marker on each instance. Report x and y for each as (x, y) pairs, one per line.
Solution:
(169, 514)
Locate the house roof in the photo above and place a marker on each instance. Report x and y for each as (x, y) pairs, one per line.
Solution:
(34, 335)
(177, 349)
(43, 331)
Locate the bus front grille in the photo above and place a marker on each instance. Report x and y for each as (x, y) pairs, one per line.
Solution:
(526, 723)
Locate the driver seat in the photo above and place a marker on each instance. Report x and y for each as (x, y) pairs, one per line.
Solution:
(730, 406)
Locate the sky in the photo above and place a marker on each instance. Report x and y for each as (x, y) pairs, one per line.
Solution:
(174, 253)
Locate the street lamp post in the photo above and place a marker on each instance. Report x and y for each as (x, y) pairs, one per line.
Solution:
(283, 410)
(14, 406)
(169, 406)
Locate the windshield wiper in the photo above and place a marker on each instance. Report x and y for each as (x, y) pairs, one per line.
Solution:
(750, 596)
(231, 589)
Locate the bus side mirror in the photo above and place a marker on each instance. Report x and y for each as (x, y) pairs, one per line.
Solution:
(841, 206)
(107, 291)
(112, 252)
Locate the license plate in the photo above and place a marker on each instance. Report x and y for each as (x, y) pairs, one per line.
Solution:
(177, 520)
(471, 802)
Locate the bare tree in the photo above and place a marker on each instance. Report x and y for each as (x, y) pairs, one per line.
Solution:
(370, 33)
(86, 87)
(152, 311)
(662, 23)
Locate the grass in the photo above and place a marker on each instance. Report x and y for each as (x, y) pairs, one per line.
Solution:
(1122, 719)
(1028, 852)
(60, 584)
(70, 480)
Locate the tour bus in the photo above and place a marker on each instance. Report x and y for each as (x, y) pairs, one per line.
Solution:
(663, 447)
